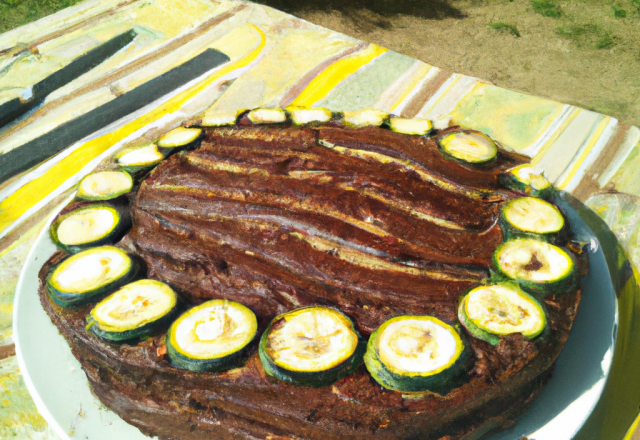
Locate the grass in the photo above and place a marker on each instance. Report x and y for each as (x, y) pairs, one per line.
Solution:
(606, 41)
(618, 12)
(500, 26)
(14, 13)
(547, 8)
(588, 35)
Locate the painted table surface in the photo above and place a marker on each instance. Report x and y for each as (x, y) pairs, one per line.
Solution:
(208, 58)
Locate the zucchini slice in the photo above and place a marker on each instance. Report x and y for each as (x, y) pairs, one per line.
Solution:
(105, 185)
(527, 179)
(306, 116)
(90, 275)
(536, 265)
(139, 158)
(267, 116)
(89, 226)
(221, 119)
(139, 309)
(364, 118)
(415, 353)
(489, 312)
(469, 146)
(212, 336)
(418, 127)
(531, 216)
(178, 139)
(312, 346)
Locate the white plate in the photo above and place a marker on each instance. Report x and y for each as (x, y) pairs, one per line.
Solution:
(62, 395)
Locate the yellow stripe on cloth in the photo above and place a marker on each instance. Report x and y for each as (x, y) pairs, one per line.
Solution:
(573, 168)
(333, 75)
(17, 204)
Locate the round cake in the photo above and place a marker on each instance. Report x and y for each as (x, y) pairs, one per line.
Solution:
(312, 275)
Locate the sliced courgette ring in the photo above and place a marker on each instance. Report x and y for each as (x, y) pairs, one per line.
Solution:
(267, 116)
(536, 265)
(527, 179)
(212, 336)
(311, 346)
(531, 216)
(139, 309)
(179, 139)
(364, 118)
(89, 226)
(419, 127)
(468, 146)
(89, 275)
(489, 312)
(306, 116)
(138, 158)
(105, 185)
(415, 353)
(220, 119)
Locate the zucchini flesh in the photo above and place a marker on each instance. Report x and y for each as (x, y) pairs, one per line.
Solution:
(531, 216)
(267, 116)
(211, 336)
(138, 309)
(92, 225)
(418, 127)
(89, 275)
(104, 185)
(469, 146)
(137, 158)
(364, 118)
(536, 265)
(220, 119)
(501, 309)
(179, 138)
(304, 116)
(311, 346)
(527, 179)
(415, 353)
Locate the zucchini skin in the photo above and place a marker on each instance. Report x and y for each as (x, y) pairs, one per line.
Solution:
(168, 151)
(234, 360)
(314, 379)
(112, 237)
(66, 299)
(510, 181)
(440, 383)
(136, 334)
(563, 285)
(491, 338)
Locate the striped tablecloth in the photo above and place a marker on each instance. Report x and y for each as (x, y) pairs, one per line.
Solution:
(185, 60)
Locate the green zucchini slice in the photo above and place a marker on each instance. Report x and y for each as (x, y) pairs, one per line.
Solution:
(137, 310)
(267, 116)
(364, 118)
(489, 312)
(527, 179)
(89, 226)
(312, 346)
(418, 127)
(105, 185)
(212, 336)
(306, 116)
(536, 265)
(178, 139)
(531, 216)
(90, 275)
(469, 146)
(139, 158)
(415, 353)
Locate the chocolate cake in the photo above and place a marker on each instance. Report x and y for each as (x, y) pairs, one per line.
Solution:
(371, 222)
